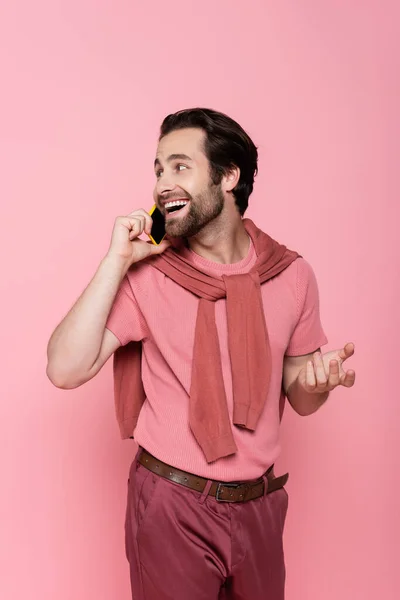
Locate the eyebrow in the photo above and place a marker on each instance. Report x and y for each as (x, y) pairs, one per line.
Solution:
(172, 157)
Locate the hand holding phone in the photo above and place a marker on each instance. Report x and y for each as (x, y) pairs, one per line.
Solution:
(125, 240)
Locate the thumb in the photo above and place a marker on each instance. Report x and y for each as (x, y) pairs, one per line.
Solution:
(346, 351)
(161, 247)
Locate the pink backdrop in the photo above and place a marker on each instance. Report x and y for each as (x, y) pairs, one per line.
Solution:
(85, 85)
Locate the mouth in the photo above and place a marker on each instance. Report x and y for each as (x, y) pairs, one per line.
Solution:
(175, 208)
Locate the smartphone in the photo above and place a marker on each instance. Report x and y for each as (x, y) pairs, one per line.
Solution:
(157, 233)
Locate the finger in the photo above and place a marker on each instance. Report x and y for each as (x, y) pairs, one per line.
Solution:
(320, 372)
(136, 227)
(136, 232)
(147, 218)
(346, 351)
(130, 223)
(348, 379)
(334, 374)
(310, 376)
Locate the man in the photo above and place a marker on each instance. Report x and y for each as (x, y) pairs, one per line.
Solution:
(226, 323)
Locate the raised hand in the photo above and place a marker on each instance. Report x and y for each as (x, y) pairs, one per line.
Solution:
(125, 242)
(325, 371)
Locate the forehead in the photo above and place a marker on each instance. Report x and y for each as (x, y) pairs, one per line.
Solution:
(188, 141)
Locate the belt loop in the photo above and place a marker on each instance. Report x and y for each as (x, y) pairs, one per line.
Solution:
(205, 491)
(265, 485)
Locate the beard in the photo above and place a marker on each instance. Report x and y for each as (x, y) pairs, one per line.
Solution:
(203, 208)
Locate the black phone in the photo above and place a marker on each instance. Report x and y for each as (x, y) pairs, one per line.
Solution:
(157, 233)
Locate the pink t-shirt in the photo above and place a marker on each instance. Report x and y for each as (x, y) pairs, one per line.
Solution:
(154, 309)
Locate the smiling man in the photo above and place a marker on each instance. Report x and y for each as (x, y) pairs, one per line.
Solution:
(211, 331)
(201, 200)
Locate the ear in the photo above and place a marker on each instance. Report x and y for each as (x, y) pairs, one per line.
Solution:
(230, 179)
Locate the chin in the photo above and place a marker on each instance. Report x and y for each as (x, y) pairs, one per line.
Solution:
(176, 230)
(184, 228)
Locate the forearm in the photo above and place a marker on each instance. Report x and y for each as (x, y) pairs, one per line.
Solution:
(76, 342)
(303, 402)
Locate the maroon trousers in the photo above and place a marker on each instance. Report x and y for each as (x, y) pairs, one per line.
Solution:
(184, 545)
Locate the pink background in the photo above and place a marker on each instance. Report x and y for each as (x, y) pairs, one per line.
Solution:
(85, 85)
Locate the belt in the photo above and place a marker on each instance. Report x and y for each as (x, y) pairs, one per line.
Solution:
(236, 491)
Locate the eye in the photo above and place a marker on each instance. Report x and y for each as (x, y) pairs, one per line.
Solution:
(180, 167)
(158, 173)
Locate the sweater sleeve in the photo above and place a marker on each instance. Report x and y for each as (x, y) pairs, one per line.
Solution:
(126, 320)
(308, 334)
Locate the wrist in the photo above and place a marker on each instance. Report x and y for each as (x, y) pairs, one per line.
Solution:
(117, 263)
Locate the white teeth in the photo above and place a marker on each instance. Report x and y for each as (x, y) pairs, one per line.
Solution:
(175, 203)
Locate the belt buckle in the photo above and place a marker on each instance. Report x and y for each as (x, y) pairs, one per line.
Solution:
(227, 485)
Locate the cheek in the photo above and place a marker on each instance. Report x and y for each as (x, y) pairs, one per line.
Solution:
(190, 184)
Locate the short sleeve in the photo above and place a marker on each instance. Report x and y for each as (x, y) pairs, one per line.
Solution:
(308, 334)
(126, 320)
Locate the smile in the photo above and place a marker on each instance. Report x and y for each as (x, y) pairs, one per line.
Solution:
(175, 206)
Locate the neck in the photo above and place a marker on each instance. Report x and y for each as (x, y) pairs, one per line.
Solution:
(222, 241)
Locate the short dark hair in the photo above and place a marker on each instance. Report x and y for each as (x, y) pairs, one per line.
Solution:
(226, 145)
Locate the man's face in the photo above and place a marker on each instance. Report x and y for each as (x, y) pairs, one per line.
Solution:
(183, 177)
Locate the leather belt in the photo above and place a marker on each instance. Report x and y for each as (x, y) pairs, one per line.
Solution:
(235, 491)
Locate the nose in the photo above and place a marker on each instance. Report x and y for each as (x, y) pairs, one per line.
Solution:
(165, 184)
